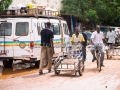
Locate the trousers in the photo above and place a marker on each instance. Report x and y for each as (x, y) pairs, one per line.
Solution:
(84, 52)
(46, 54)
(100, 47)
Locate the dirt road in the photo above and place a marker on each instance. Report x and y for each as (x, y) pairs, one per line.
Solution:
(107, 79)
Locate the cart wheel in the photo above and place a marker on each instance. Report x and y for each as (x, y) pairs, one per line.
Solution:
(57, 72)
(110, 56)
(98, 62)
(107, 56)
(75, 73)
(81, 68)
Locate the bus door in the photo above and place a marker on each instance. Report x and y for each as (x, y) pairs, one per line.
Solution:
(22, 38)
(6, 38)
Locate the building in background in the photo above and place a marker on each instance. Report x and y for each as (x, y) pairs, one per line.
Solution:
(56, 4)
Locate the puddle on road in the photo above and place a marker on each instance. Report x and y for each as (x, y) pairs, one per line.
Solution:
(9, 73)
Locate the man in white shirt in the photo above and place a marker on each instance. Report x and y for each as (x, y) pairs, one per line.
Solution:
(111, 37)
(97, 41)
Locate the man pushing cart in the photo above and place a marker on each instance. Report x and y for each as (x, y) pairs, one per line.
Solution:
(73, 61)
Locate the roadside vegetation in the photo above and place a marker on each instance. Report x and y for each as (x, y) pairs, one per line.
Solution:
(94, 11)
(4, 4)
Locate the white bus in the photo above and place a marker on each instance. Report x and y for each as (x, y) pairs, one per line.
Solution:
(20, 38)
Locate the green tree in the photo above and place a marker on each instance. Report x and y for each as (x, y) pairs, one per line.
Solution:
(112, 12)
(80, 8)
(106, 11)
(4, 4)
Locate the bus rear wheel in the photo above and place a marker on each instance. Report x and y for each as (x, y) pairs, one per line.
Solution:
(8, 63)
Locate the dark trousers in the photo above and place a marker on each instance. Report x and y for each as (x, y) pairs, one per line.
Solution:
(84, 52)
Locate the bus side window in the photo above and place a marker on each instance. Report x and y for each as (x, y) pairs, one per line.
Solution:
(5, 29)
(56, 29)
(22, 28)
(65, 29)
(39, 28)
(43, 25)
(51, 28)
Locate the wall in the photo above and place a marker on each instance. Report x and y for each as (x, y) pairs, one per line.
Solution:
(50, 3)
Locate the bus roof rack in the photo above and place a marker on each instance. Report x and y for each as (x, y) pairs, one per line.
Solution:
(38, 13)
(28, 16)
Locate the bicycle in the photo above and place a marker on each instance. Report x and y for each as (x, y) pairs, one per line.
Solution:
(98, 56)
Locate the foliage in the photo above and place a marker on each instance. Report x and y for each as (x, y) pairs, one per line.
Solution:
(106, 11)
(4, 4)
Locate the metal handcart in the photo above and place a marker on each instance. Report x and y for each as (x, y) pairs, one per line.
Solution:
(71, 60)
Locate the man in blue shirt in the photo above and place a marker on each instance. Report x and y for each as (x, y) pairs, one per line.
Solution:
(47, 49)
